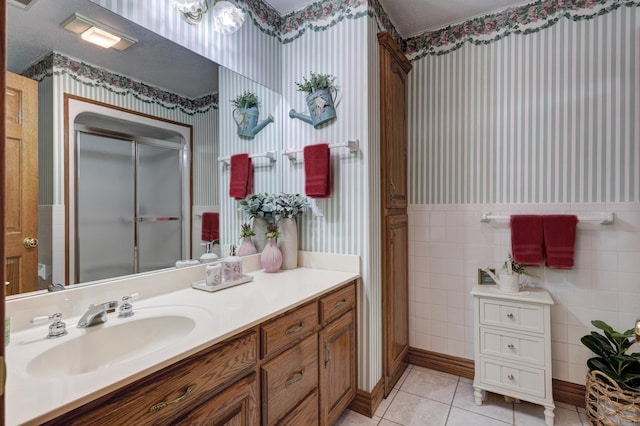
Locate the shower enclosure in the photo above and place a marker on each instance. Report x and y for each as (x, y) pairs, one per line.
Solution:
(128, 205)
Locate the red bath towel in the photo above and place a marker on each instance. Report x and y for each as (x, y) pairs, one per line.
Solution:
(241, 181)
(210, 226)
(526, 239)
(317, 170)
(559, 240)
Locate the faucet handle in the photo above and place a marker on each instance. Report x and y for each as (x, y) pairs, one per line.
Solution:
(126, 309)
(57, 328)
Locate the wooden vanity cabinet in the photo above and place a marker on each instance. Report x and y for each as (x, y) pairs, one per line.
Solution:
(183, 390)
(298, 368)
(337, 353)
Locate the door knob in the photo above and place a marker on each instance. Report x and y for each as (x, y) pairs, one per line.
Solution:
(30, 242)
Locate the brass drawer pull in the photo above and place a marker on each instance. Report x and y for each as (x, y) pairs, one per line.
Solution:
(340, 303)
(295, 378)
(295, 329)
(161, 405)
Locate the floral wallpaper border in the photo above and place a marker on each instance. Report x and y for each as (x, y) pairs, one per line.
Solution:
(92, 76)
(319, 16)
(524, 19)
(383, 20)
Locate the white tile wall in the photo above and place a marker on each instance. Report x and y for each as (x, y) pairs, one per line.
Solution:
(448, 243)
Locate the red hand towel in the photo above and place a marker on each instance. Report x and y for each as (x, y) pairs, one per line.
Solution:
(317, 170)
(526, 239)
(559, 240)
(210, 226)
(241, 172)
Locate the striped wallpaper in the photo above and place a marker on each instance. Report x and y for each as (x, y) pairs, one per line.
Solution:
(344, 227)
(549, 117)
(267, 175)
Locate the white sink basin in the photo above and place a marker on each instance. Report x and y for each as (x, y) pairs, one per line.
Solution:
(117, 340)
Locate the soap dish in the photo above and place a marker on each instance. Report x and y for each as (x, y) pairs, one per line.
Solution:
(202, 284)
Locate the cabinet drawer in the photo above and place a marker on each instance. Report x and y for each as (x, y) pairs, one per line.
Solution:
(288, 378)
(337, 303)
(306, 413)
(516, 347)
(163, 397)
(281, 332)
(513, 378)
(517, 316)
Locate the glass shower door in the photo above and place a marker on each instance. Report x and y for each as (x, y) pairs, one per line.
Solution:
(105, 207)
(159, 194)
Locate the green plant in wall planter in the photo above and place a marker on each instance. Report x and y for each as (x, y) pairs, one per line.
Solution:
(246, 114)
(613, 381)
(320, 99)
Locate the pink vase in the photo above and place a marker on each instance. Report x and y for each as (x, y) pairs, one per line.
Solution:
(246, 247)
(271, 257)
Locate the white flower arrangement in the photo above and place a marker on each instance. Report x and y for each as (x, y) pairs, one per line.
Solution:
(273, 207)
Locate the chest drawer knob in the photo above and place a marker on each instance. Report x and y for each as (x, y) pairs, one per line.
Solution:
(294, 329)
(510, 377)
(161, 405)
(295, 378)
(510, 346)
(510, 315)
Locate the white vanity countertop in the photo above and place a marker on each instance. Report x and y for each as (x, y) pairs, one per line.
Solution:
(33, 400)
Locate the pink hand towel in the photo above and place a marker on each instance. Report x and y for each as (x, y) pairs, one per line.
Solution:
(317, 170)
(241, 180)
(210, 226)
(559, 240)
(526, 239)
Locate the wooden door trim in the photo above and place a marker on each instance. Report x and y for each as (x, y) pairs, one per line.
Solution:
(3, 66)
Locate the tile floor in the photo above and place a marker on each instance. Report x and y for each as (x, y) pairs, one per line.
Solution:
(427, 397)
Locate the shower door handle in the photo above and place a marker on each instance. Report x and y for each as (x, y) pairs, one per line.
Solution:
(157, 219)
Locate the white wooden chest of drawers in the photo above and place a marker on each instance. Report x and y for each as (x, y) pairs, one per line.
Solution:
(513, 345)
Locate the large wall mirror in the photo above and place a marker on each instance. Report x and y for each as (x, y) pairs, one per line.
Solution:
(194, 94)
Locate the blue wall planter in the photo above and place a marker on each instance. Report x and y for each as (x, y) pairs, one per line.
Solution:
(247, 121)
(321, 104)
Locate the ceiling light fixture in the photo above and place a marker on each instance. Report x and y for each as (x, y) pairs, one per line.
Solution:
(227, 18)
(191, 10)
(100, 37)
(97, 33)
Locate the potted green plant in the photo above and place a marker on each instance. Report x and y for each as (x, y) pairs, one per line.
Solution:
(246, 114)
(246, 247)
(320, 98)
(509, 280)
(613, 382)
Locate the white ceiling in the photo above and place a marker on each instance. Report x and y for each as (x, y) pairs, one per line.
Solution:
(34, 32)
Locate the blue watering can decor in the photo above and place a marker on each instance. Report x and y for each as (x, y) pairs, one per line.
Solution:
(246, 115)
(320, 99)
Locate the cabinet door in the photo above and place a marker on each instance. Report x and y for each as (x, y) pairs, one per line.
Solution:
(395, 299)
(337, 367)
(393, 130)
(235, 406)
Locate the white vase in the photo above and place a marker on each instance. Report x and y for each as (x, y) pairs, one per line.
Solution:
(259, 226)
(288, 243)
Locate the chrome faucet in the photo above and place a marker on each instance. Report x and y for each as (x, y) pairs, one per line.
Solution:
(97, 314)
